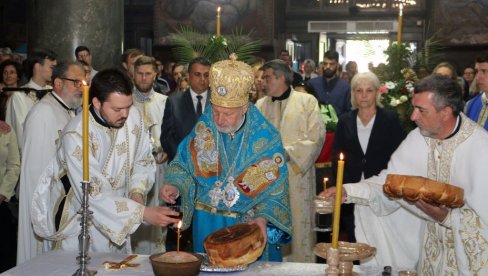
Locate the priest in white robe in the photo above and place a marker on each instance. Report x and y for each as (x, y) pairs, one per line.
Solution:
(42, 63)
(297, 117)
(43, 126)
(150, 239)
(446, 147)
(122, 172)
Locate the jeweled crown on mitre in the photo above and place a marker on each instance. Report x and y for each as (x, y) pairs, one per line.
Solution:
(230, 82)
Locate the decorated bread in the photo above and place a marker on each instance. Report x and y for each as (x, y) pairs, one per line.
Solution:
(413, 188)
(237, 245)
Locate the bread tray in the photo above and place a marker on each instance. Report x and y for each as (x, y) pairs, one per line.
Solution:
(208, 267)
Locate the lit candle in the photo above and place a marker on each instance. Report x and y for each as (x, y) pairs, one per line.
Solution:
(338, 201)
(178, 239)
(325, 183)
(400, 25)
(218, 21)
(86, 173)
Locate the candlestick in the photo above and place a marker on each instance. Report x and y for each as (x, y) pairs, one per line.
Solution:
(400, 25)
(218, 21)
(325, 183)
(338, 201)
(86, 172)
(178, 238)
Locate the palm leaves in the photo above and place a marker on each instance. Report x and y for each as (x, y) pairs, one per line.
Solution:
(190, 44)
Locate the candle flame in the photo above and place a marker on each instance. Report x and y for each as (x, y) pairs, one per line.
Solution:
(326, 179)
(218, 9)
(179, 224)
(84, 83)
(341, 156)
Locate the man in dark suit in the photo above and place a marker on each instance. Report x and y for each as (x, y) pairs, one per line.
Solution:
(180, 116)
(182, 110)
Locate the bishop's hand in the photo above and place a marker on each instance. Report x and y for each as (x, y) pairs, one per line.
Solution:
(262, 223)
(169, 193)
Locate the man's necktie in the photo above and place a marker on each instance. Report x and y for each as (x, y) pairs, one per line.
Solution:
(199, 105)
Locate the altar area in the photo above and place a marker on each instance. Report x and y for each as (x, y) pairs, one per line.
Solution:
(62, 263)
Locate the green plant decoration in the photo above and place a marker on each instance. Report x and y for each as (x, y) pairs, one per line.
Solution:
(190, 44)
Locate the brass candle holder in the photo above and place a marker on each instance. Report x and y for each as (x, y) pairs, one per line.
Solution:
(347, 253)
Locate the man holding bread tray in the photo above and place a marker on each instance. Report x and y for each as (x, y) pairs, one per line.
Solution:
(431, 213)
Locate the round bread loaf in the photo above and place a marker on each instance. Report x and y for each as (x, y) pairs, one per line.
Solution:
(413, 188)
(240, 244)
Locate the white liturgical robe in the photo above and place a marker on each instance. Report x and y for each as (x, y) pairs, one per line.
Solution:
(303, 133)
(18, 106)
(42, 129)
(150, 239)
(121, 164)
(457, 246)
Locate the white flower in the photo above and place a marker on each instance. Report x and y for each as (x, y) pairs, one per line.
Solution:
(390, 85)
(394, 102)
(403, 99)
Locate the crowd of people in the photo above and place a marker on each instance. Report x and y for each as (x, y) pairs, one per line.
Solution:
(231, 142)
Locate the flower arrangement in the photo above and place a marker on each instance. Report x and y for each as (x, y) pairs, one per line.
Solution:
(396, 93)
(398, 83)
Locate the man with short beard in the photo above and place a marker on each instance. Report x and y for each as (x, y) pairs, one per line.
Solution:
(122, 171)
(150, 239)
(41, 131)
(433, 238)
(331, 89)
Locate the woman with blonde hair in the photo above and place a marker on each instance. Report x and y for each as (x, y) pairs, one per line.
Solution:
(367, 136)
(257, 89)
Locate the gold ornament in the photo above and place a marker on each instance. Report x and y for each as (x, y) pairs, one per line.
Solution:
(230, 82)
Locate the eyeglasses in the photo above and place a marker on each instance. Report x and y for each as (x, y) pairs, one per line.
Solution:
(76, 83)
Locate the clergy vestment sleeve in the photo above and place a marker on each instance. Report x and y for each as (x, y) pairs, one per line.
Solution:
(142, 174)
(304, 151)
(114, 215)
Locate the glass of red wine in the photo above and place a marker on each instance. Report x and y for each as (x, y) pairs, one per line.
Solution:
(179, 209)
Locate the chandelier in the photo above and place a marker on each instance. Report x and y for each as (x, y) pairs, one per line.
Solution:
(383, 4)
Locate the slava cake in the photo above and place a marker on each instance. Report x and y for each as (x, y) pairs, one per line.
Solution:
(237, 245)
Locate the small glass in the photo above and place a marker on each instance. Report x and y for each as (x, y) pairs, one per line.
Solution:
(176, 208)
(323, 209)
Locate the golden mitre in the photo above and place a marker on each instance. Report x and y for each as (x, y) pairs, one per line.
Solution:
(230, 82)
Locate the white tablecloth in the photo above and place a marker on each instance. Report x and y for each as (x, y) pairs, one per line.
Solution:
(62, 263)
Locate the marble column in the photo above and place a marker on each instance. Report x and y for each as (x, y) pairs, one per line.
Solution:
(62, 25)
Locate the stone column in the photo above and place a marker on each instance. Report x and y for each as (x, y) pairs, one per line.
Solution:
(62, 25)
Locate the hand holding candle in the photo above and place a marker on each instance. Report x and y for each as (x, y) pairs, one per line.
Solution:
(178, 238)
(338, 201)
(86, 94)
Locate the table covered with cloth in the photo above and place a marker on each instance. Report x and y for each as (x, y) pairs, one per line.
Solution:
(62, 263)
